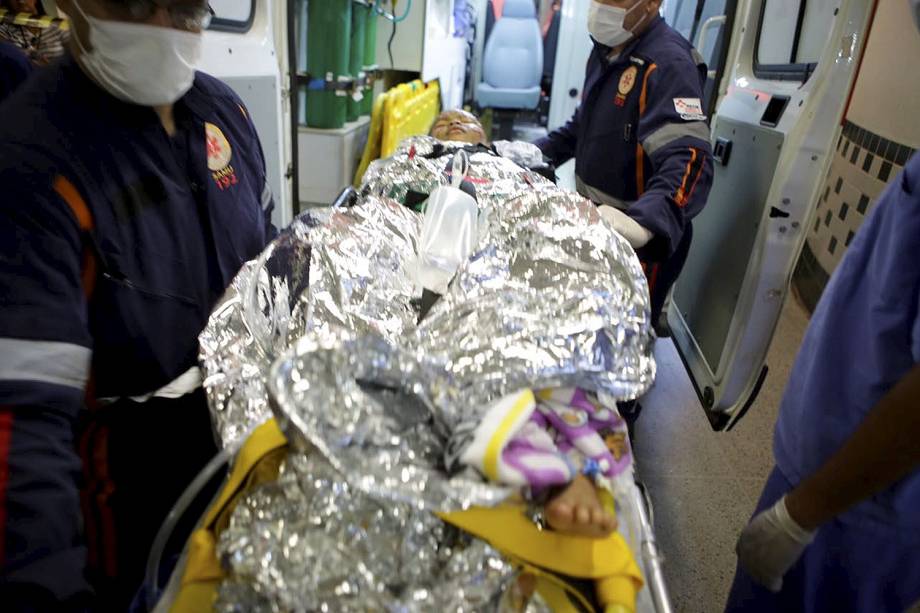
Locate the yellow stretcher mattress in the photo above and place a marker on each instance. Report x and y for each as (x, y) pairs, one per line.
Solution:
(544, 554)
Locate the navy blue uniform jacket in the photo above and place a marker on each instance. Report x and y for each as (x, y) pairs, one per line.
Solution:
(15, 67)
(116, 240)
(639, 138)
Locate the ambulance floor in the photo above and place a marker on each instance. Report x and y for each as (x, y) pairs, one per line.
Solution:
(704, 484)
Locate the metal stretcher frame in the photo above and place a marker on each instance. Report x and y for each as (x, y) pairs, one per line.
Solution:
(649, 554)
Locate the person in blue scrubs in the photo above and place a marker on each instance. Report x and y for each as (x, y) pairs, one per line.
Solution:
(133, 190)
(837, 527)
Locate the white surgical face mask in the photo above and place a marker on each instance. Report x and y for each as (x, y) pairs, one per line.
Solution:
(605, 23)
(139, 63)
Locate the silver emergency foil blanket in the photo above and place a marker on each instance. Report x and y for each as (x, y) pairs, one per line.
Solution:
(323, 331)
(567, 291)
(308, 542)
(495, 179)
(347, 268)
(360, 400)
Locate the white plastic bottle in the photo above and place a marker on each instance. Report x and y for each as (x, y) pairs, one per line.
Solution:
(449, 230)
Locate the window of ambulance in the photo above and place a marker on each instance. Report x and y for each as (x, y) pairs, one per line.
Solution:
(791, 37)
(680, 15)
(705, 24)
(232, 15)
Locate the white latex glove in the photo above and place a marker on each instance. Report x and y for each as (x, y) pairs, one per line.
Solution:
(629, 228)
(771, 544)
(521, 153)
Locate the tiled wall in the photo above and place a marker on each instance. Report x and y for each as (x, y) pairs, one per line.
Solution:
(879, 131)
(863, 165)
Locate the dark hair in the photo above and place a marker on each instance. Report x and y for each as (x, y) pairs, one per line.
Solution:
(39, 9)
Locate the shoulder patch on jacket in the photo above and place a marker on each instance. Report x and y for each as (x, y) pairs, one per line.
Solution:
(689, 109)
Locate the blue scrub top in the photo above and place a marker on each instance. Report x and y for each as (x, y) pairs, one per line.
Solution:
(863, 338)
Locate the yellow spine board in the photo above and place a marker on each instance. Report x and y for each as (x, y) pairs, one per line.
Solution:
(257, 462)
(374, 137)
(410, 110)
(33, 21)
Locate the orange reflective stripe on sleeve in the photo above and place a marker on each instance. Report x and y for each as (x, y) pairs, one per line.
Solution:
(681, 196)
(699, 173)
(74, 200)
(66, 190)
(69, 194)
(643, 97)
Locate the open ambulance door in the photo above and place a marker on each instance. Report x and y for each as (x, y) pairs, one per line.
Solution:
(790, 65)
(573, 48)
(245, 46)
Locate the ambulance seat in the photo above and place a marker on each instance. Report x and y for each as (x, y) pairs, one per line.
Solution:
(513, 60)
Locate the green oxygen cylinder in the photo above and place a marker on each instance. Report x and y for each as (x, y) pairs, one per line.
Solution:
(370, 55)
(356, 56)
(328, 37)
(301, 25)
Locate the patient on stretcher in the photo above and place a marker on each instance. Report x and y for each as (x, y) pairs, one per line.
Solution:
(459, 126)
(561, 449)
(477, 439)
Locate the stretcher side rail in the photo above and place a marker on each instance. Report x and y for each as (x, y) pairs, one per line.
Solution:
(651, 557)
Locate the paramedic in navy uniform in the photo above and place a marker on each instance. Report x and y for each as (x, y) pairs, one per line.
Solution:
(133, 189)
(639, 138)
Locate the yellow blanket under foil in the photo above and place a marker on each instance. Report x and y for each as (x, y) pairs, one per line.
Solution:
(542, 553)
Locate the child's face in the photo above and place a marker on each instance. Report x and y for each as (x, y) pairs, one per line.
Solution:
(460, 126)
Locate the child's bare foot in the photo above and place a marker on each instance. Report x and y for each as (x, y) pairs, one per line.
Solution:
(577, 510)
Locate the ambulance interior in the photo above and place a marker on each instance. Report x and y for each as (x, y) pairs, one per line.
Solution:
(810, 119)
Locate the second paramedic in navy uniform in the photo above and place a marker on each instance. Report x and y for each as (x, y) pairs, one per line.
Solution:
(639, 138)
(132, 189)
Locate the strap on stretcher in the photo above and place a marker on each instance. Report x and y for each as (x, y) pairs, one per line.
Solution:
(607, 561)
(541, 553)
(186, 383)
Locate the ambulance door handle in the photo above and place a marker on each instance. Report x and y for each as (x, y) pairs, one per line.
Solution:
(717, 20)
(775, 212)
(722, 150)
